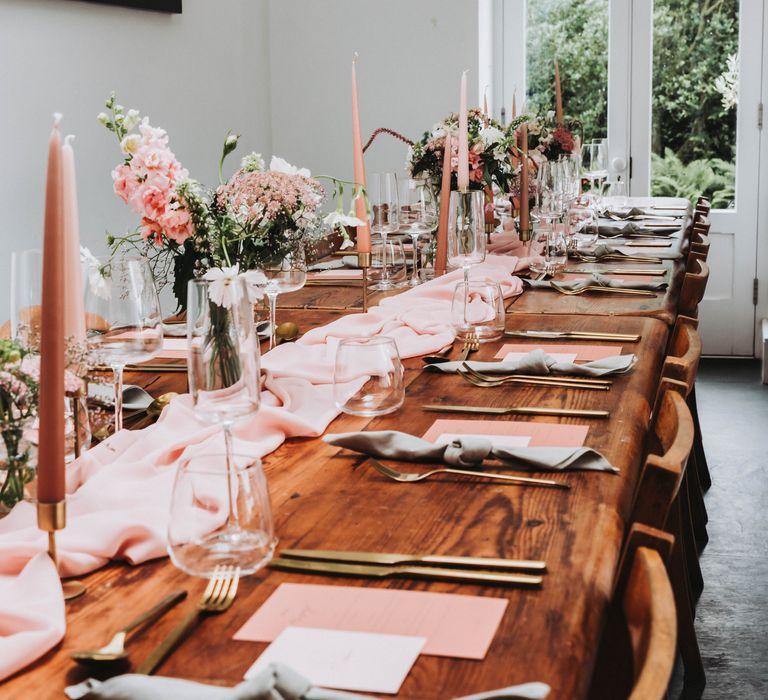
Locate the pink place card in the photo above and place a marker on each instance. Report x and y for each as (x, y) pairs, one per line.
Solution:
(460, 626)
(582, 353)
(539, 434)
(342, 274)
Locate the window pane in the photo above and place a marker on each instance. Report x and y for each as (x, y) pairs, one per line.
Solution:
(575, 32)
(695, 95)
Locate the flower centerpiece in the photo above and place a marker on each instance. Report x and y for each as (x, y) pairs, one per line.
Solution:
(19, 392)
(547, 140)
(490, 162)
(256, 217)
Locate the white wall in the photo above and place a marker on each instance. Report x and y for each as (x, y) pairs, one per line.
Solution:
(411, 55)
(277, 72)
(196, 74)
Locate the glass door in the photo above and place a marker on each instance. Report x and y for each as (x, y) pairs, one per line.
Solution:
(694, 130)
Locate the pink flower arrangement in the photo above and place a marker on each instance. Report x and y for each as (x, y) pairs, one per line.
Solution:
(30, 367)
(147, 182)
(260, 198)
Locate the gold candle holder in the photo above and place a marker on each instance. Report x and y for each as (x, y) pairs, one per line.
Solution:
(52, 517)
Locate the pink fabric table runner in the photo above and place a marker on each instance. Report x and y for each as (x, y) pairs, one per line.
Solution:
(119, 491)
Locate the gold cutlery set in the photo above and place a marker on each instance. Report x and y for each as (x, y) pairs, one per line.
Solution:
(432, 567)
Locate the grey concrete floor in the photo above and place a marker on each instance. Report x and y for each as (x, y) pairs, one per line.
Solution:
(732, 614)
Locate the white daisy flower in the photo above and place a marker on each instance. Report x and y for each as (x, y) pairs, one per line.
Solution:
(222, 289)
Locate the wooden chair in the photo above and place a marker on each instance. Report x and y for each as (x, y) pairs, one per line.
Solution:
(662, 501)
(694, 286)
(637, 652)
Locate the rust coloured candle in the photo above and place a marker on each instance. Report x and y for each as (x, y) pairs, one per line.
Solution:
(441, 252)
(74, 311)
(363, 232)
(558, 97)
(524, 216)
(50, 468)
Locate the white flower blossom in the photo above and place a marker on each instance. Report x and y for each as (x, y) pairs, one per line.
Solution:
(339, 218)
(97, 281)
(727, 84)
(490, 134)
(253, 162)
(279, 165)
(131, 119)
(222, 289)
(102, 118)
(130, 143)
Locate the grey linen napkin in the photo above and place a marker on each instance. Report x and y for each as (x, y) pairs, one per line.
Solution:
(598, 280)
(630, 230)
(602, 250)
(468, 451)
(277, 682)
(538, 362)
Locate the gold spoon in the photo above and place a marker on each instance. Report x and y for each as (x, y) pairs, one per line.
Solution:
(154, 409)
(115, 650)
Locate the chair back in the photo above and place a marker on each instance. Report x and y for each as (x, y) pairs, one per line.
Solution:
(670, 445)
(683, 353)
(699, 245)
(649, 611)
(694, 286)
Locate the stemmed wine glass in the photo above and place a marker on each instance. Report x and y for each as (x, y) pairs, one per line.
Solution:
(466, 230)
(224, 377)
(123, 321)
(382, 193)
(287, 274)
(418, 217)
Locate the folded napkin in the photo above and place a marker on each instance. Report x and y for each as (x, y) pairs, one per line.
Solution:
(602, 250)
(468, 451)
(598, 280)
(277, 682)
(630, 230)
(623, 213)
(538, 362)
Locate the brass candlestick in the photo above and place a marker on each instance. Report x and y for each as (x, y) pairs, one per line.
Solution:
(52, 517)
(364, 262)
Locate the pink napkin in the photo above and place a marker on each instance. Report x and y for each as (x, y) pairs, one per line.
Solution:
(119, 491)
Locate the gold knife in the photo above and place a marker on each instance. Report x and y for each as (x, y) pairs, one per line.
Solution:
(574, 335)
(520, 410)
(426, 572)
(617, 271)
(392, 559)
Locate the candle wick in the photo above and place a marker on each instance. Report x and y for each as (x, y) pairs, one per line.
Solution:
(57, 117)
(354, 57)
(68, 139)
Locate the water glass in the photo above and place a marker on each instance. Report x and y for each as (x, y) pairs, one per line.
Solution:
(466, 230)
(388, 269)
(368, 376)
(418, 217)
(26, 290)
(123, 320)
(205, 492)
(288, 274)
(549, 249)
(582, 226)
(478, 307)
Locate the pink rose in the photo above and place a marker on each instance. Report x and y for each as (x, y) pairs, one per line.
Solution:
(123, 182)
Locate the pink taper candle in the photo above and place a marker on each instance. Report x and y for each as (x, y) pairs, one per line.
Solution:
(514, 105)
(524, 216)
(485, 103)
(74, 311)
(462, 176)
(364, 231)
(50, 459)
(558, 97)
(441, 252)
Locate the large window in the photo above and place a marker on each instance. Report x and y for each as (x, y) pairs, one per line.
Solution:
(695, 95)
(575, 33)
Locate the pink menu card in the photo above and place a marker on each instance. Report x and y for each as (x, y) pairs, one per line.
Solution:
(460, 626)
(538, 434)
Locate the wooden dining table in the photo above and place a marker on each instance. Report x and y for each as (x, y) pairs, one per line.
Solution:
(328, 498)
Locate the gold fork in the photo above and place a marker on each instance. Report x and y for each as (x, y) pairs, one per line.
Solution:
(471, 344)
(412, 477)
(595, 288)
(538, 377)
(521, 379)
(217, 598)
